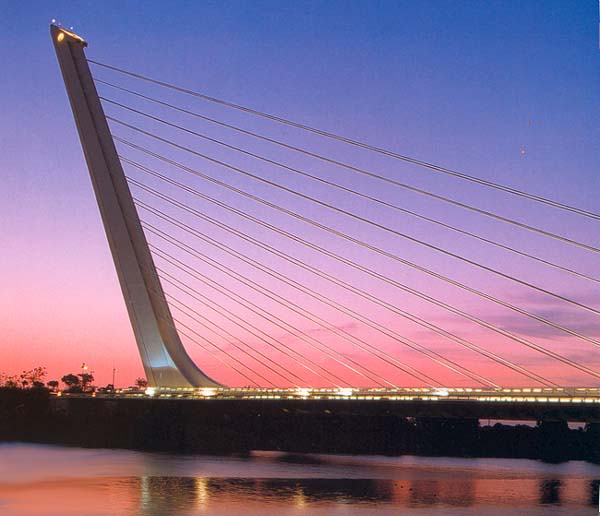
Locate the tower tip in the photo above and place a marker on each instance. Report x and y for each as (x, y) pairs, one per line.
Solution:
(60, 34)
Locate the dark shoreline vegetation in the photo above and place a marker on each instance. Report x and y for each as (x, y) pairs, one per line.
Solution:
(238, 426)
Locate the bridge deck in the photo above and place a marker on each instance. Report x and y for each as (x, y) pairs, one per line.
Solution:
(525, 404)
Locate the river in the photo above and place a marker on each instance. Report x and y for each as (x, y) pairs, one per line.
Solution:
(53, 480)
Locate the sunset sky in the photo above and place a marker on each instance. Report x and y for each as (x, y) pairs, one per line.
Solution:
(505, 91)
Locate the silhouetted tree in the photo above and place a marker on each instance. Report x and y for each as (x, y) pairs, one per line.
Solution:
(141, 383)
(36, 375)
(27, 378)
(53, 384)
(11, 381)
(70, 380)
(86, 381)
(109, 388)
(32, 377)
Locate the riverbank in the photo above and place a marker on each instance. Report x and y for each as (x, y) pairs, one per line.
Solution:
(239, 426)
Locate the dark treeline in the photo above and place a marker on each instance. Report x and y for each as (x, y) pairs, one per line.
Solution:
(74, 383)
(238, 426)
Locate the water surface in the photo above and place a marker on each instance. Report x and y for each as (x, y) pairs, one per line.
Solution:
(52, 480)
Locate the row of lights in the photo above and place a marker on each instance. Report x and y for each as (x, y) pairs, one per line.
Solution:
(347, 392)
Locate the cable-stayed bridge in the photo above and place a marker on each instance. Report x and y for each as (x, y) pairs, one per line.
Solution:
(294, 263)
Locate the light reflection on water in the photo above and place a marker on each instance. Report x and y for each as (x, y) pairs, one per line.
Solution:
(46, 480)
